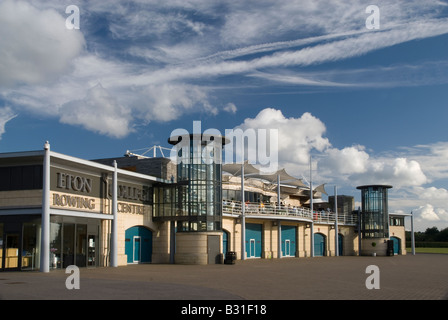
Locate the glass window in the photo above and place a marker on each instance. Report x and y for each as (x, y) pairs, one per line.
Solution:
(12, 251)
(30, 246)
(55, 245)
(68, 245)
(81, 245)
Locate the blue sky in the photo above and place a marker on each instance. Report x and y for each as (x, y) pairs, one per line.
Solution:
(370, 105)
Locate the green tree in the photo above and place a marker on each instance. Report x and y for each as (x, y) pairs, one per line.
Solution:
(442, 235)
(431, 234)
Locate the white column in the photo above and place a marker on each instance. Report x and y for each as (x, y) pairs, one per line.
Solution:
(243, 216)
(412, 234)
(45, 238)
(312, 214)
(114, 236)
(279, 239)
(336, 238)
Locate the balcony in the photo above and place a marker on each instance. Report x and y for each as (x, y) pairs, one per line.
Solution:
(290, 213)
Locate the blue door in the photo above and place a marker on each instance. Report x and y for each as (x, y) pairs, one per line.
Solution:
(138, 245)
(319, 245)
(225, 242)
(288, 241)
(253, 240)
(396, 243)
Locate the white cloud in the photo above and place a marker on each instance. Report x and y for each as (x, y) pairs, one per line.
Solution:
(432, 193)
(170, 101)
(398, 172)
(230, 107)
(98, 112)
(194, 44)
(35, 45)
(428, 213)
(296, 136)
(348, 160)
(6, 114)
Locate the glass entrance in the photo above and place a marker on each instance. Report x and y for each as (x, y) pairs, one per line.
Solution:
(91, 259)
(81, 245)
(287, 247)
(30, 246)
(12, 251)
(252, 248)
(136, 249)
(74, 241)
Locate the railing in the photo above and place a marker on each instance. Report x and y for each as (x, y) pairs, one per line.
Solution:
(234, 207)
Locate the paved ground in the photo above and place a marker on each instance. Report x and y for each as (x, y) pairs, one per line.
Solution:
(419, 277)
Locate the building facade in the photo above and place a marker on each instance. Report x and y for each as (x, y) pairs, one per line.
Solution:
(57, 210)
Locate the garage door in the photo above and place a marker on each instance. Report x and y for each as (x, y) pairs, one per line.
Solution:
(138, 245)
(319, 245)
(288, 241)
(253, 240)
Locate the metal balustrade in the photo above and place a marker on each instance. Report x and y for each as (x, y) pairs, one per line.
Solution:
(252, 209)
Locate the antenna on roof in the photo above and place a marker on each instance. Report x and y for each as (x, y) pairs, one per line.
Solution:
(154, 149)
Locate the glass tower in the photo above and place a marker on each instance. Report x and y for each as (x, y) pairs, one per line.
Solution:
(374, 213)
(198, 196)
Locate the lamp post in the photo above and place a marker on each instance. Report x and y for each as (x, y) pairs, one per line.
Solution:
(311, 209)
(336, 238)
(243, 216)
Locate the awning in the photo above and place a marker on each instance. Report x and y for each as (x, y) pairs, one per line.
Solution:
(235, 168)
(251, 172)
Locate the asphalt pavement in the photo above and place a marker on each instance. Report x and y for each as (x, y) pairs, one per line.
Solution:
(418, 277)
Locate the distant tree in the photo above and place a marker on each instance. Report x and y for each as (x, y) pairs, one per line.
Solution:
(442, 235)
(431, 234)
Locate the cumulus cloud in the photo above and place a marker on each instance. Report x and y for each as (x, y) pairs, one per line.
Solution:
(299, 136)
(296, 136)
(35, 45)
(363, 169)
(429, 213)
(99, 111)
(348, 160)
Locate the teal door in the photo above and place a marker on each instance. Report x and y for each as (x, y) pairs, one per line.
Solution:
(396, 243)
(288, 241)
(319, 245)
(253, 240)
(138, 245)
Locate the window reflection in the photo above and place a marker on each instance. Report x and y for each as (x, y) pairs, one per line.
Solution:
(30, 246)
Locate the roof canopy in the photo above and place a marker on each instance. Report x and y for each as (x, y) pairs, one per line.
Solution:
(251, 172)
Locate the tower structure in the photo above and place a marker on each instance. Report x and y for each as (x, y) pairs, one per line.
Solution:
(374, 219)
